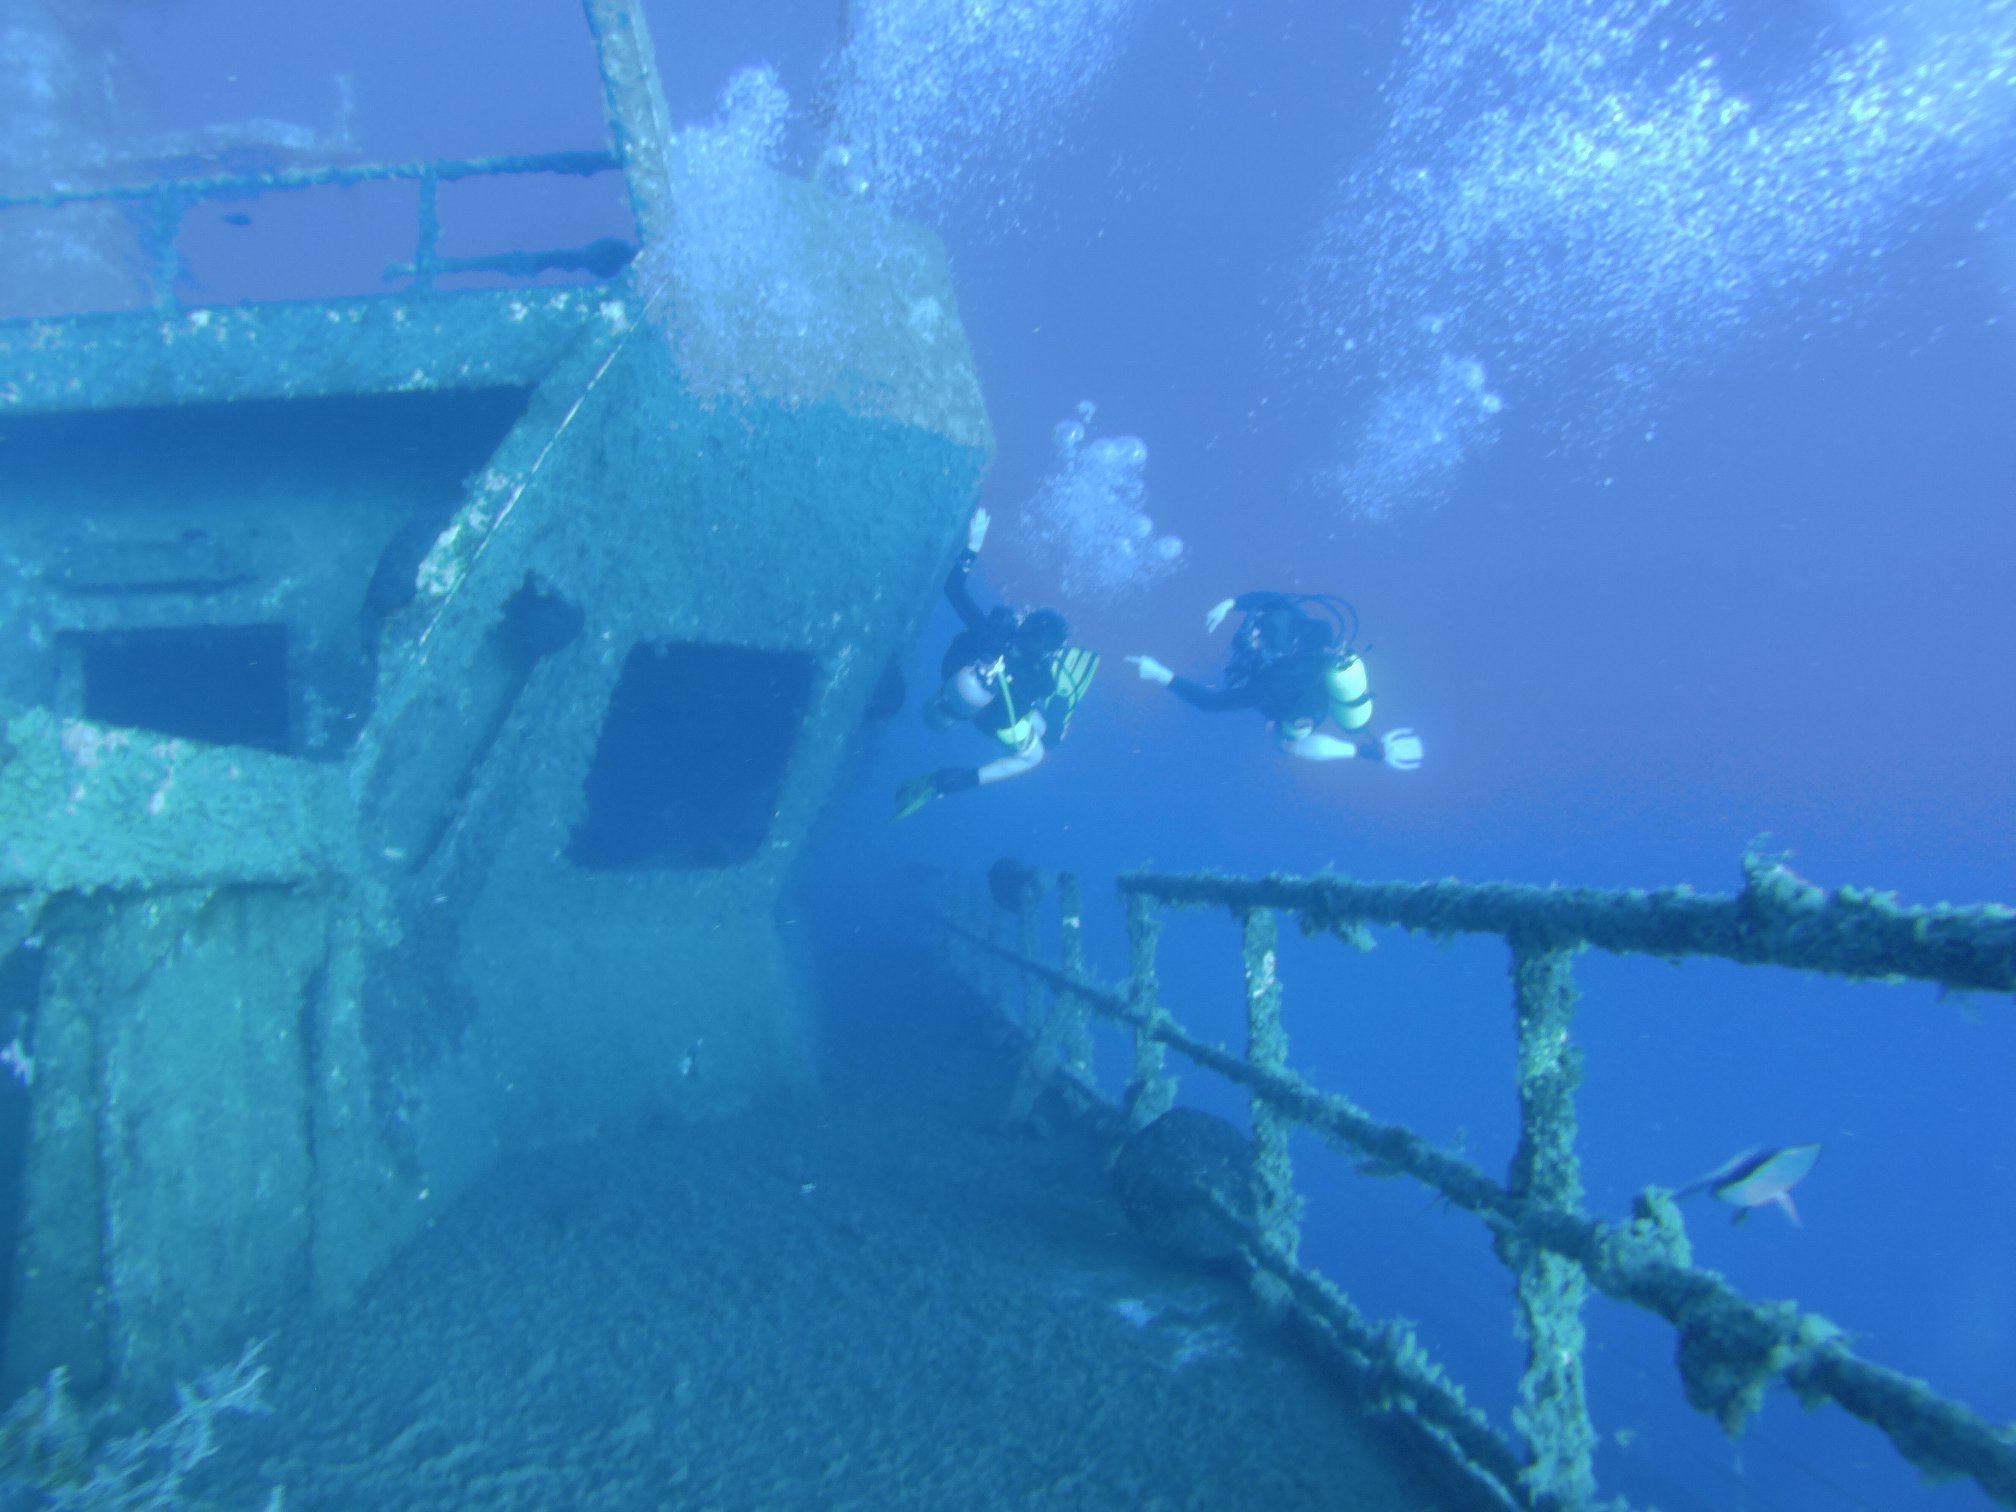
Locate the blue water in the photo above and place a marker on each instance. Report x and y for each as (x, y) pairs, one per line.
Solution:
(1641, 372)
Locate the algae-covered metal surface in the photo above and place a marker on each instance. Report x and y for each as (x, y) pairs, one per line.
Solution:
(473, 339)
(88, 808)
(415, 708)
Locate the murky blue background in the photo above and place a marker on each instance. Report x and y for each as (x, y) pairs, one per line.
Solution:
(1642, 373)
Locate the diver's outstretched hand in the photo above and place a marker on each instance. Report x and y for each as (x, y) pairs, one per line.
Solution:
(1152, 670)
(1217, 615)
(976, 530)
(1400, 750)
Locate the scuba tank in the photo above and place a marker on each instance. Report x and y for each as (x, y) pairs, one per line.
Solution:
(1350, 698)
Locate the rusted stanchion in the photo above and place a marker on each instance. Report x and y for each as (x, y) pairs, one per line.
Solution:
(1731, 1349)
(639, 119)
(1062, 1045)
(1552, 1414)
(1276, 1207)
(1074, 1034)
(1151, 1091)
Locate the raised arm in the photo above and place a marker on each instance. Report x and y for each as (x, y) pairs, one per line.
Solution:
(1245, 603)
(970, 614)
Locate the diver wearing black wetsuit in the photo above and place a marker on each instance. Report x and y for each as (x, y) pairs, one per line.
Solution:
(1297, 671)
(998, 648)
(1285, 691)
(1281, 662)
(1005, 676)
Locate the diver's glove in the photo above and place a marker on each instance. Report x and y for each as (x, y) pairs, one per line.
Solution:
(1217, 615)
(1400, 750)
(976, 531)
(1152, 670)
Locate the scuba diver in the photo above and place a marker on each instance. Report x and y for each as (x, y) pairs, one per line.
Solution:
(1297, 667)
(1009, 676)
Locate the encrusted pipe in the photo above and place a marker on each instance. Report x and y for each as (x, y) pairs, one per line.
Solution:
(427, 253)
(1152, 1092)
(1552, 1413)
(1062, 1043)
(1731, 1348)
(639, 120)
(1777, 920)
(1276, 1206)
(168, 208)
(1074, 1038)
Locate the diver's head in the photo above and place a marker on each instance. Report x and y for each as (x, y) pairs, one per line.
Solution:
(1313, 635)
(1042, 633)
(1284, 631)
(1279, 631)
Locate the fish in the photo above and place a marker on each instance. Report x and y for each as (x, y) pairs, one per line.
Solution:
(1758, 1178)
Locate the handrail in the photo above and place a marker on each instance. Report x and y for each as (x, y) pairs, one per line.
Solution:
(243, 185)
(172, 199)
(1387, 1355)
(1779, 919)
(1730, 1348)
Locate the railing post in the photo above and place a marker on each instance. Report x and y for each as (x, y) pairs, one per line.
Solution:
(1029, 940)
(1061, 1041)
(1277, 1209)
(639, 120)
(1552, 1413)
(427, 254)
(1074, 1032)
(1152, 1091)
(1731, 1349)
(168, 211)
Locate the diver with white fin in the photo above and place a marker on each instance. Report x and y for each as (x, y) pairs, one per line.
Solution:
(1293, 660)
(1010, 676)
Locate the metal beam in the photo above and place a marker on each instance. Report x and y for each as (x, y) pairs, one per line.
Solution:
(639, 119)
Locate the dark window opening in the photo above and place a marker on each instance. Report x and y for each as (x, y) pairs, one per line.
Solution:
(252, 452)
(692, 756)
(226, 685)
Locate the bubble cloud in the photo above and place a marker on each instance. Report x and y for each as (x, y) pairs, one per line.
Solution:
(939, 106)
(739, 280)
(1579, 199)
(1090, 519)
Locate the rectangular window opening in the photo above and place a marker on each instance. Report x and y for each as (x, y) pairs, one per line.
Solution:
(223, 684)
(692, 756)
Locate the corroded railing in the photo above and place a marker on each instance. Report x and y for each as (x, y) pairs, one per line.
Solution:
(1730, 1348)
(634, 102)
(170, 200)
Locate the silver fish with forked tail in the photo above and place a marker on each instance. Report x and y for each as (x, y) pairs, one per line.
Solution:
(1758, 1178)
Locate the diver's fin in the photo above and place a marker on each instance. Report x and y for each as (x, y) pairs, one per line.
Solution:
(913, 795)
(1076, 668)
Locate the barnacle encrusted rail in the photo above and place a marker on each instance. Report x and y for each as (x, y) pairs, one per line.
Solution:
(170, 200)
(1730, 1348)
(1778, 919)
